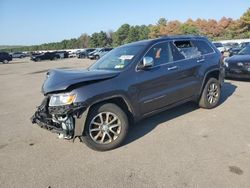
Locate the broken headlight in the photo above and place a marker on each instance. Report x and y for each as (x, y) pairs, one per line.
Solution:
(62, 99)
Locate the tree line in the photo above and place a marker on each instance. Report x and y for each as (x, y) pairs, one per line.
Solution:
(225, 28)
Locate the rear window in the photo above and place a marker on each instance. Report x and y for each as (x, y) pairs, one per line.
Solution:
(203, 47)
(187, 49)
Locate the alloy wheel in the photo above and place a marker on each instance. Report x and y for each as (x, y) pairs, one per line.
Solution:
(212, 93)
(105, 127)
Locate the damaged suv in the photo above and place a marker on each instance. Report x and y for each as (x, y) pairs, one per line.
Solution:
(131, 82)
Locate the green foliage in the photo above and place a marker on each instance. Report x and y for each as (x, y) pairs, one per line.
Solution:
(189, 29)
(121, 35)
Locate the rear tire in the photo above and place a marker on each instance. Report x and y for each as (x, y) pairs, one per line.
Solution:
(5, 61)
(106, 127)
(211, 93)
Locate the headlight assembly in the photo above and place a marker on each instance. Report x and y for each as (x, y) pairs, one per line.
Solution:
(62, 99)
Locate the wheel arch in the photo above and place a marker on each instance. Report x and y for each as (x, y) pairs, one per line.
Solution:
(119, 100)
(214, 73)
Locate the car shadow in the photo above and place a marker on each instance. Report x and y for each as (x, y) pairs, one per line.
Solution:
(239, 79)
(145, 126)
(227, 91)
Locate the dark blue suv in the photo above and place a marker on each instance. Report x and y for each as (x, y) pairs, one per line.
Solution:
(131, 82)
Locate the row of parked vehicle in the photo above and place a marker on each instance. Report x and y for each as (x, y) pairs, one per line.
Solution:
(91, 53)
(237, 64)
(7, 57)
(232, 47)
(49, 56)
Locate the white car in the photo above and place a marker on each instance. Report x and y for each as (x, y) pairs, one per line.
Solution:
(219, 46)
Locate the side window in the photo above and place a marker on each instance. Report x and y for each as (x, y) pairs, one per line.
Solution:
(161, 53)
(177, 55)
(187, 49)
(203, 47)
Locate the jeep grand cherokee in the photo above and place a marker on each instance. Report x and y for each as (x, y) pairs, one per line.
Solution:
(131, 82)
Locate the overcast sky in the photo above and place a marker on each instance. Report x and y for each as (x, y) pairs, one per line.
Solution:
(27, 22)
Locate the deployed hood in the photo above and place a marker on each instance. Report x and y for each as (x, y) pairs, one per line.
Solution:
(239, 58)
(59, 80)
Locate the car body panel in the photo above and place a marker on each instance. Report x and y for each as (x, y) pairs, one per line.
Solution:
(59, 80)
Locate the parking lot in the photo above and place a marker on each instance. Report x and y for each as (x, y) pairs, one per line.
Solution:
(182, 147)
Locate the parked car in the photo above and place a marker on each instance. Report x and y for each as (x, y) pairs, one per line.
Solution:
(219, 46)
(235, 51)
(85, 53)
(72, 54)
(62, 54)
(99, 53)
(93, 52)
(18, 55)
(46, 56)
(130, 83)
(230, 45)
(238, 66)
(5, 57)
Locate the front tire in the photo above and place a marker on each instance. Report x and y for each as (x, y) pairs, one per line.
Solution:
(106, 127)
(97, 57)
(211, 94)
(5, 61)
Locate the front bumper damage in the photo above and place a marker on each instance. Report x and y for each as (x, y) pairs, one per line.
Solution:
(68, 120)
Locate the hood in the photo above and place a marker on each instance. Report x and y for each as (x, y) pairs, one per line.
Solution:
(59, 80)
(239, 58)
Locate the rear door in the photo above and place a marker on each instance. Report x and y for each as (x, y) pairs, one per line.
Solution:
(189, 68)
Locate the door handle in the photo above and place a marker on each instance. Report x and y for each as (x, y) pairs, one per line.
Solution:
(200, 60)
(173, 68)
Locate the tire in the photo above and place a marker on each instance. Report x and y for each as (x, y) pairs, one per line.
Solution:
(97, 57)
(107, 135)
(211, 93)
(5, 61)
(38, 59)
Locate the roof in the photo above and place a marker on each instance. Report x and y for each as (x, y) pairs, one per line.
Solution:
(164, 38)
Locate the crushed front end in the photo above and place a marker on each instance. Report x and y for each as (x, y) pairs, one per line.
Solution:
(60, 119)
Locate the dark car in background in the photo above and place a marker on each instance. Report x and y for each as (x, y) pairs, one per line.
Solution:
(46, 56)
(18, 55)
(238, 66)
(235, 51)
(85, 53)
(5, 57)
(130, 83)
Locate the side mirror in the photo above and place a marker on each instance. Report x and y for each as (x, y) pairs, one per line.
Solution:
(147, 62)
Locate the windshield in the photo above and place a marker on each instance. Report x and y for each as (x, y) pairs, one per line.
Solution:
(118, 58)
(245, 51)
(244, 44)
